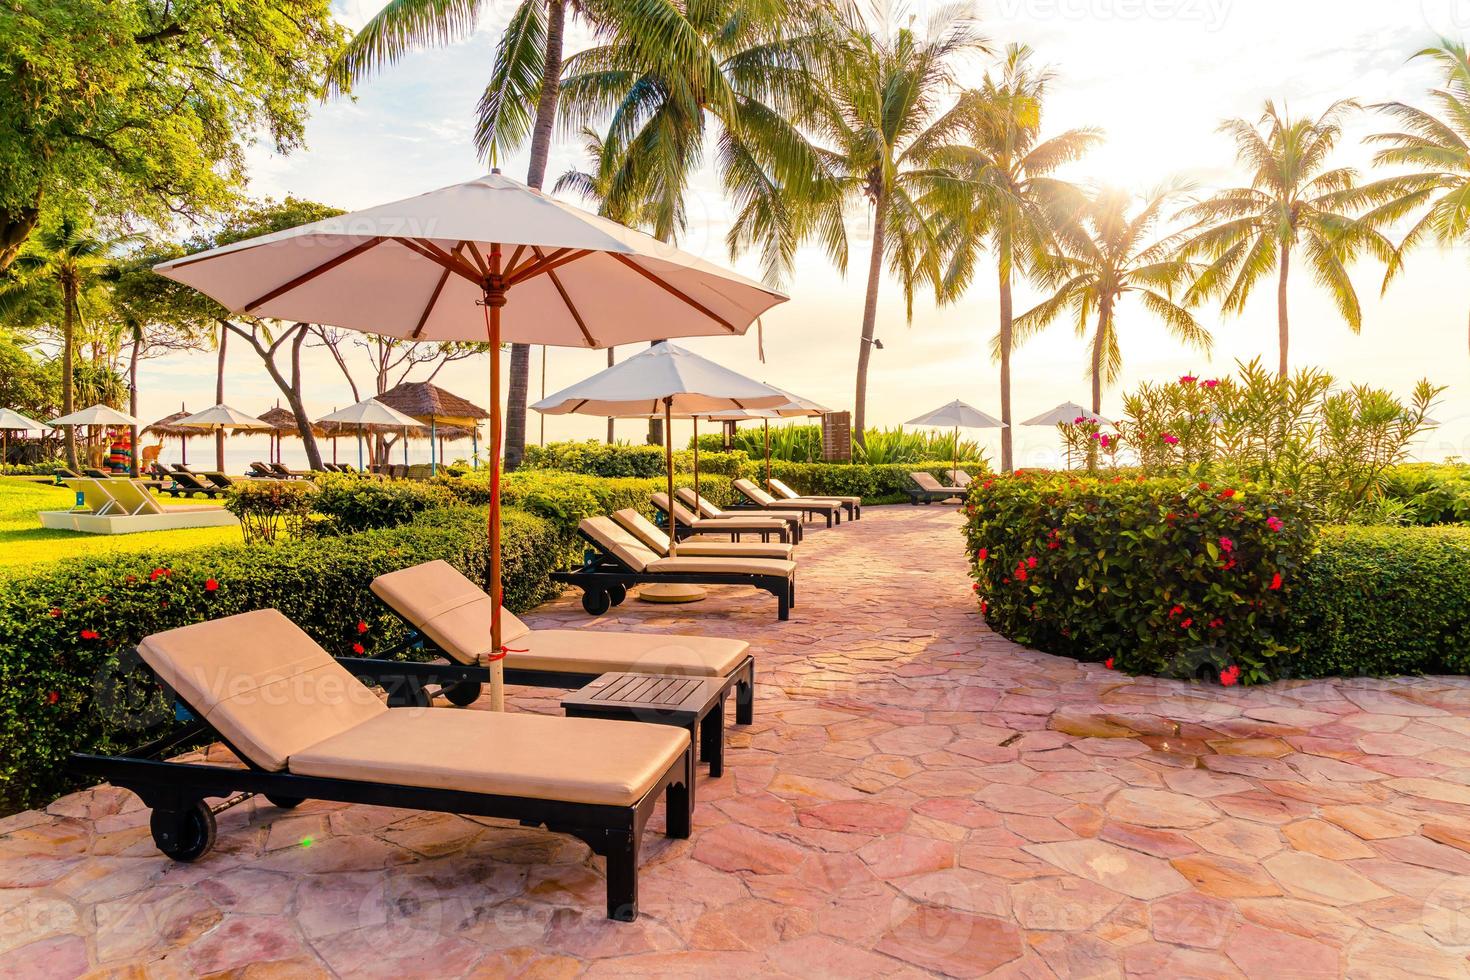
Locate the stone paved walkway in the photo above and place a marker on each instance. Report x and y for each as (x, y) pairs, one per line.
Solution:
(916, 796)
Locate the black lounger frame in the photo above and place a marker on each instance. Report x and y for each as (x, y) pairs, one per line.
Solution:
(752, 505)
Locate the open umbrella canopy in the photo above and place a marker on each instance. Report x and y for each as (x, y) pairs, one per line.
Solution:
(418, 268)
(1065, 413)
(957, 415)
(663, 379)
(96, 415)
(12, 421)
(370, 413)
(224, 417)
(794, 407)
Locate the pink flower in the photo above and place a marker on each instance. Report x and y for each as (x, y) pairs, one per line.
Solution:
(1079, 420)
(1227, 545)
(1188, 379)
(1170, 439)
(1212, 383)
(1106, 442)
(1275, 523)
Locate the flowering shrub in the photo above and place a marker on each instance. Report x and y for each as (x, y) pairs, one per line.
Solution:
(70, 679)
(1159, 576)
(271, 510)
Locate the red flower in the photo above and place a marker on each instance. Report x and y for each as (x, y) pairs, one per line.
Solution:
(1227, 545)
(1227, 493)
(357, 648)
(211, 585)
(1108, 663)
(1031, 562)
(1227, 566)
(984, 607)
(55, 613)
(1020, 573)
(1188, 622)
(362, 627)
(982, 554)
(156, 574)
(1274, 523)
(1216, 623)
(1175, 611)
(1204, 486)
(977, 586)
(1275, 582)
(1188, 379)
(1228, 679)
(53, 697)
(1053, 544)
(90, 635)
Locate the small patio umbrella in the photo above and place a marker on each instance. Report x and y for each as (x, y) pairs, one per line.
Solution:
(1064, 414)
(662, 380)
(168, 428)
(432, 404)
(95, 415)
(795, 407)
(367, 415)
(957, 415)
(12, 421)
(441, 267)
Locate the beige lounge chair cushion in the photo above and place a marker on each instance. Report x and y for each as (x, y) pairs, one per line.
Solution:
(926, 481)
(785, 491)
(261, 682)
(767, 501)
(577, 760)
(447, 608)
(618, 542)
(652, 535)
(680, 565)
(711, 512)
(600, 652)
(723, 525)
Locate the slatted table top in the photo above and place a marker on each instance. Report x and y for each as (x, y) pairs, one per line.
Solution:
(661, 693)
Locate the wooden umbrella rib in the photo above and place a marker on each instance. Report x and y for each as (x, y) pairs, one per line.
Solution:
(571, 307)
(531, 266)
(434, 253)
(516, 256)
(429, 306)
(674, 291)
(312, 273)
(479, 259)
(554, 261)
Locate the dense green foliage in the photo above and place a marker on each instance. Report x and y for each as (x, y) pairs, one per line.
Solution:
(803, 444)
(1156, 576)
(67, 670)
(600, 459)
(1384, 601)
(355, 503)
(271, 510)
(1427, 493)
(888, 484)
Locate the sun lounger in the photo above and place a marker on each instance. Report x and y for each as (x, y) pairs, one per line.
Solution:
(617, 560)
(734, 525)
(930, 489)
(961, 479)
(97, 474)
(187, 484)
(709, 511)
(280, 470)
(701, 545)
(305, 728)
(759, 499)
(262, 471)
(853, 505)
(452, 614)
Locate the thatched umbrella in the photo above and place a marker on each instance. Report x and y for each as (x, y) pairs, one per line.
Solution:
(283, 423)
(432, 404)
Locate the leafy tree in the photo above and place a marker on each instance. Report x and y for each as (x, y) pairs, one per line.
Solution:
(1007, 200)
(1436, 193)
(140, 109)
(885, 116)
(25, 384)
(1295, 202)
(1106, 256)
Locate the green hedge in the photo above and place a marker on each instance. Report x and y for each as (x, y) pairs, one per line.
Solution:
(1162, 576)
(68, 676)
(619, 460)
(883, 484)
(1378, 600)
(1428, 493)
(356, 503)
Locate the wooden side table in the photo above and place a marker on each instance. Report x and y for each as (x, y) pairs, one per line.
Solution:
(696, 704)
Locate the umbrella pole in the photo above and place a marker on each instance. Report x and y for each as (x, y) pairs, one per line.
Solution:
(766, 429)
(954, 463)
(669, 468)
(494, 300)
(359, 446)
(695, 420)
(433, 434)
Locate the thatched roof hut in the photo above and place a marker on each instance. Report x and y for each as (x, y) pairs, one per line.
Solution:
(168, 427)
(427, 402)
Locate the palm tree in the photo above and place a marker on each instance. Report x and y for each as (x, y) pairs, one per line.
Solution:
(62, 261)
(1105, 256)
(1008, 200)
(1438, 148)
(884, 118)
(1294, 202)
(751, 82)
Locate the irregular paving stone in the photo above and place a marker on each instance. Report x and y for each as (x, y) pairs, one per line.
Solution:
(1155, 808)
(1224, 877)
(953, 943)
(1061, 904)
(1129, 872)
(1191, 920)
(1370, 823)
(1321, 880)
(1261, 952)
(1326, 840)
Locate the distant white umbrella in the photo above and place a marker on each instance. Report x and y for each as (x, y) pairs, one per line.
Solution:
(663, 380)
(443, 265)
(794, 407)
(371, 414)
(1065, 414)
(223, 418)
(957, 415)
(95, 415)
(12, 421)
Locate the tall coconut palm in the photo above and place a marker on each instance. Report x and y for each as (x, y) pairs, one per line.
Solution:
(1008, 199)
(1107, 256)
(62, 261)
(1295, 202)
(1437, 148)
(890, 104)
(750, 86)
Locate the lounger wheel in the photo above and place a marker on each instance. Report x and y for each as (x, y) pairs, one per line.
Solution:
(616, 594)
(184, 835)
(596, 601)
(285, 802)
(463, 694)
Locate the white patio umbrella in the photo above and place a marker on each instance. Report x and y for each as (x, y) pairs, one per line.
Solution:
(957, 415)
(794, 407)
(663, 380)
(444, 265)
(12, 421)
(1065, 413)
(372, 414)
(95, 415)
(225, 419)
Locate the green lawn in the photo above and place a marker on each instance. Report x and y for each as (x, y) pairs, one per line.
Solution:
(23, 540)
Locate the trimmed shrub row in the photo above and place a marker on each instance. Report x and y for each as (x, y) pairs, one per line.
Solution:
(68, 673)
(888, 483)
(1161, 576)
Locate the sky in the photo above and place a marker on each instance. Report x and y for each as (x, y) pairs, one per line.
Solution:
(1157, 76)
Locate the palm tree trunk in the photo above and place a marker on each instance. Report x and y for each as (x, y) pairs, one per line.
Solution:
(1104, 320)
(1281, 323)
(656, 422)
(610, 435)
(68, 366)
(870, 320)
(219, 399)
(1007, 313)
(520, 354)
(133, 391)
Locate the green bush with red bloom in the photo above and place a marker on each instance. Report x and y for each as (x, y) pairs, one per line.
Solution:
(1156, 576)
